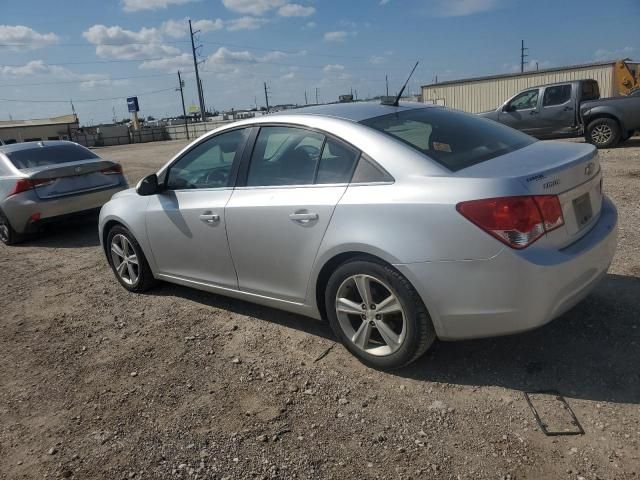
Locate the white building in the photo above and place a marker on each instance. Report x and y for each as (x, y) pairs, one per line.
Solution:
(481, 94)
(56, 128)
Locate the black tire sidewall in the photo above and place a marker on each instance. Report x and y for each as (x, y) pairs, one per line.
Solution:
(612, 124)
(142, 271)
(407, 351)
(13, 236)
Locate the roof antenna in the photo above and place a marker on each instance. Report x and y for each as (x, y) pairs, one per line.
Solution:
(396, 102)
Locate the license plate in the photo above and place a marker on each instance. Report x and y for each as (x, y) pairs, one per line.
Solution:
(582, 209)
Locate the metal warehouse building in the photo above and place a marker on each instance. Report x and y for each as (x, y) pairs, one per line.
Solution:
(481, 94)
(57, 128)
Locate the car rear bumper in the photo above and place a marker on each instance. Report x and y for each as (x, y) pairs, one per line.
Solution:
(514, 291)
(26, 212)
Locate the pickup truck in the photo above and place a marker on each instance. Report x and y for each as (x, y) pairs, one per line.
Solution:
(571, 109)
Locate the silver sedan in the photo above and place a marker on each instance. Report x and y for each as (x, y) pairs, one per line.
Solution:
(42, 182)
(399, 224)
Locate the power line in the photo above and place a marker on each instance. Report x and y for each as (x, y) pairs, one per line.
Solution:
(87, 99)
(70, 82)
(203, 112)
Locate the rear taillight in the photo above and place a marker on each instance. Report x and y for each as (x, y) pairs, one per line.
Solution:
(516, 221)
(25, 184)
(116, 169)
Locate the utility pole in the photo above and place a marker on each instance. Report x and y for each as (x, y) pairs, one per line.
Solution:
(305, 98)
(386, 80)
(184, 110)
(522, 56)
(195, 65)
(317, 95)
(266, 96)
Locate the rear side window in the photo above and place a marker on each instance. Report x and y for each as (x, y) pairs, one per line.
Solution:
(455, 140)
(336, 163)
(590, 91)
(556, 95)
(49, 155)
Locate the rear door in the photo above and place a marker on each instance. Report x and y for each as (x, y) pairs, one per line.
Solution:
(558, 111)
(186, 223)
(292, 182)
(521, 112)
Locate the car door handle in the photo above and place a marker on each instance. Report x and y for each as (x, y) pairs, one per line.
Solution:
(567, 109)
(533, 112)
(210, 218)
(303, 217)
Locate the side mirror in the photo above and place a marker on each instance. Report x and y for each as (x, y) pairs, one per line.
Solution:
(148, 185)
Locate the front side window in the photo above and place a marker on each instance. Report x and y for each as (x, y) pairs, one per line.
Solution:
(453, 139)
(285, 156)
(209, 164)
(525, 100)
(556, 95)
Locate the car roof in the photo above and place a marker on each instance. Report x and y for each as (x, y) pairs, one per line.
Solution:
(16, 147)
(354, 111)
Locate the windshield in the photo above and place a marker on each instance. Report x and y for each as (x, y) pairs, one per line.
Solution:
(453, 139)
(49, 155)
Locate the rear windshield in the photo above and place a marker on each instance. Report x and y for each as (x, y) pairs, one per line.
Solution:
(49, 155)
(455, 140)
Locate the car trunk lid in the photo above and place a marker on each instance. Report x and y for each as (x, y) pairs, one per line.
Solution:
(52, 181)
(566, 169)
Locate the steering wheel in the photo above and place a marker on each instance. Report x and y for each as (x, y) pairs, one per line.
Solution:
(310, 151)
(216, 176)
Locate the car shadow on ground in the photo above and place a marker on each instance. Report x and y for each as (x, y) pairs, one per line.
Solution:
(74, 232)
(630, 143)
(591, 352)
(308, 325)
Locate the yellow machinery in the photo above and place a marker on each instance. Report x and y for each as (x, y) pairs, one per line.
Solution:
(624, 79)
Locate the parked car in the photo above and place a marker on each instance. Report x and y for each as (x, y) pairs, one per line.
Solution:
(571, 109)
(399, 224)
(42, 182)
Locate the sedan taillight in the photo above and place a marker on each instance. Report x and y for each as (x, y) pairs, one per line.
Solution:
(516, 221)
(25, 184)
(116, 169)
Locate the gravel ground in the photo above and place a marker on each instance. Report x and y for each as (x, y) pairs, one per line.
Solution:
(99, 383)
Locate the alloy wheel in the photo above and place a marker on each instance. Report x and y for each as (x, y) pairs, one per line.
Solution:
(125, 260)
(371, 315)
(4, 231)
(601, 134)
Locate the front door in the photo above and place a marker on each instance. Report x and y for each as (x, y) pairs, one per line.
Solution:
(277, 221)
(521, 112)
(557, 113)
(186, 223)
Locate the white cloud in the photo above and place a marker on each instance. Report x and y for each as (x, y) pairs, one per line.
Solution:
(288, 76)
(245, 23)
(311, 25)
(223, 55)
(377, 60)
(118, 43)
(180, 28)
(384, 2)
(604, 54)
(136, 5)
(335, 36)
(295, 10)
(461, 8)
(252, 7)
(39, 68)
(169, 64)
(271, 56)
(27, 37)
(333, 68)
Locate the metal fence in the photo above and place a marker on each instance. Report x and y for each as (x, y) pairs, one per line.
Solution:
(122, 135)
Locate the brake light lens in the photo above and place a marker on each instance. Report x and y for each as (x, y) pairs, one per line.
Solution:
(25, 184)
(515, 221)
(116, 169)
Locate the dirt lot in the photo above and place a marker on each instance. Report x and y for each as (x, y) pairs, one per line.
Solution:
(99, 383)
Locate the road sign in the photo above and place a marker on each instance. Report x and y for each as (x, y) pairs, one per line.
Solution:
(132, 104)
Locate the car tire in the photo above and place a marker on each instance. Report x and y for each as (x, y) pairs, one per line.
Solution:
(135, 277)
(603, 133)
(8, 235)
(388, 334)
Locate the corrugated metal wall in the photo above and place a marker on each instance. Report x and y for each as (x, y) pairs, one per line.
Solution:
(482, 95)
